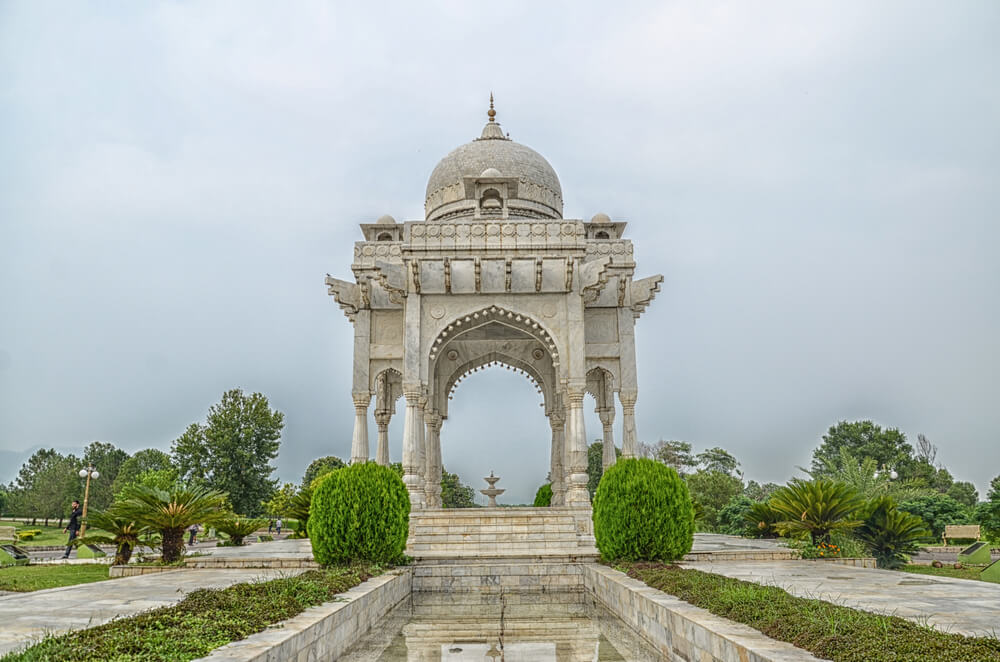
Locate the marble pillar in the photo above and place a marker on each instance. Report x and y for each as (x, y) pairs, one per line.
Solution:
(359, 440)
(576, 443)
(557, 478)
(607, 416)
(432, 448)
(629, 444)
(413, 471)
(382, 419)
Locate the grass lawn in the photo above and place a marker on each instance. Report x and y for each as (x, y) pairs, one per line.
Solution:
(37, 577)
(203, 621)
(50, 535)
(828, 631)
(947, 571)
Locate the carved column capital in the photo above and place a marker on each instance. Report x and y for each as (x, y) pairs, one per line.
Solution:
(361, 399)
(607, 415)
(628, 397)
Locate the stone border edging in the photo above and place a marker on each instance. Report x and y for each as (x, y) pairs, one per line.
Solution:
(679, 630)
(117, 571)
(325, 631)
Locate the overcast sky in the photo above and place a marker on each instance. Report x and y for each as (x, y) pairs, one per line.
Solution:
(817, 182)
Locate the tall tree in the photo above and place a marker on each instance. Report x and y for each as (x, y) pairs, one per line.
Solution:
(148, 459)
(46, 484)
(676, 454)
(595, 465)
(964, 492)
(711, 491)
(108, 460)
(718, 459)
(320, 467)
(863, 439)
(233, 450)
(925, 451)
(4, 499)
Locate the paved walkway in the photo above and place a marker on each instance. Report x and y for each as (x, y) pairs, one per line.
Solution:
(28, 617)
(960, 606)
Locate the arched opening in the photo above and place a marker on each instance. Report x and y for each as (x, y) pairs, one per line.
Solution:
(491, 200)
(497, 423)
(601, 234)
(384, 236)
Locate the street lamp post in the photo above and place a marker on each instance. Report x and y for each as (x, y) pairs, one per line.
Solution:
(88, 473)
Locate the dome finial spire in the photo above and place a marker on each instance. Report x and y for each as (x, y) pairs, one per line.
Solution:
(491, 113)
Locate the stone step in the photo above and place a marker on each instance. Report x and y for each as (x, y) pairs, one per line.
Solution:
(566, 555)
(492, 577)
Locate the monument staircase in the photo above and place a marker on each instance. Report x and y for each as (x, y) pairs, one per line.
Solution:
(478, 553)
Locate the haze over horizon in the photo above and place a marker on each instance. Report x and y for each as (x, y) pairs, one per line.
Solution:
(817, 183)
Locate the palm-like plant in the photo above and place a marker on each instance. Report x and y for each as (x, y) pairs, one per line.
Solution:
(298, 509)
(890, 534)
(816, 507)
(117, 529)
(238, 528)
(760, 520)
(172, 511)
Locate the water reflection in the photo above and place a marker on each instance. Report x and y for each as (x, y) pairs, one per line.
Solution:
(476, 627)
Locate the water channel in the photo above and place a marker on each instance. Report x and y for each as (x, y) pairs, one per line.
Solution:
(492, 627)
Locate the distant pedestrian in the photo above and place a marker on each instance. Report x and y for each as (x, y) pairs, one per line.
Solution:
(270, 526)
(278, 526)
(73, 526)
(192, 532)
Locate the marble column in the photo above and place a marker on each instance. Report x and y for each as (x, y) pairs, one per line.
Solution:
(432, 447)
(412, 469)
(607, 415)
(382, 419)
(557, 419)
(629, 445)
(359, 440)
(576, 444)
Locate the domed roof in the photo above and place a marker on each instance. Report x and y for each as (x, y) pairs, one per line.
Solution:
(490, 155)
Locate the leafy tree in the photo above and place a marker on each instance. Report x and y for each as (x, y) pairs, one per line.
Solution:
(232, 452)
(732, 516)
(149, 459)
(4, 499)
(281, 501)
(46, 484)
(321, 466)
(711, 491)
(543, 497)
(595, 465)
(676, 454)
(817, 507)
(757, 492)
(454, 494)
(890, 534)
(964, 492)
(863, 439)
(926, 451)
(718, 459)
(171, 512)
(865, 477)
(108, 460)
(161, 479)
(937, 510)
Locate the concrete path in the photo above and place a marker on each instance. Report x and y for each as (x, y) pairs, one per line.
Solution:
(28, 617)
(959, 606)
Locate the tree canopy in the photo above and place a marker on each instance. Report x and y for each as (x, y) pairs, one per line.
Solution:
(233, 450)
(148, 459)
(455, 494)
(108, 460)
(718, 459)
(320, 467)
(46, 484)
(863, 439)
(676, 454)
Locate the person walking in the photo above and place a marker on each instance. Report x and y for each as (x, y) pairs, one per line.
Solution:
(278, 526)
(192, 532)
(270, 526)
(73, 526)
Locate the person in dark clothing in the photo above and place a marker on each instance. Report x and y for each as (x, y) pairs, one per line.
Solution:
(73, 527)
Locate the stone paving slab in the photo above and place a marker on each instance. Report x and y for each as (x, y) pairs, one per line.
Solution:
(28, 617)
(960, 606)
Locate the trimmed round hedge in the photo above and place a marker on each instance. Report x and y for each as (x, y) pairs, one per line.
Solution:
(643, 512)
(543, 497)
(359, 513)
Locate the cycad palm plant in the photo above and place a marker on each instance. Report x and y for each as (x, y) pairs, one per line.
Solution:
(172, 511)
(817, 507)
(890, 534)
(298, 509)
(238, 528)
(118, 529)
(760, 520)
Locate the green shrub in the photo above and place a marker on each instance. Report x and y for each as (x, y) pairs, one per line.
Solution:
(543, 497)
(238, 528)
(359, 513)
(643, 512)
(890, 534)
(937, 511)
(732, 517)
(817, 508)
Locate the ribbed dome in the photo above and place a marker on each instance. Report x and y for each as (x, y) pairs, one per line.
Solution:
(538, 185)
